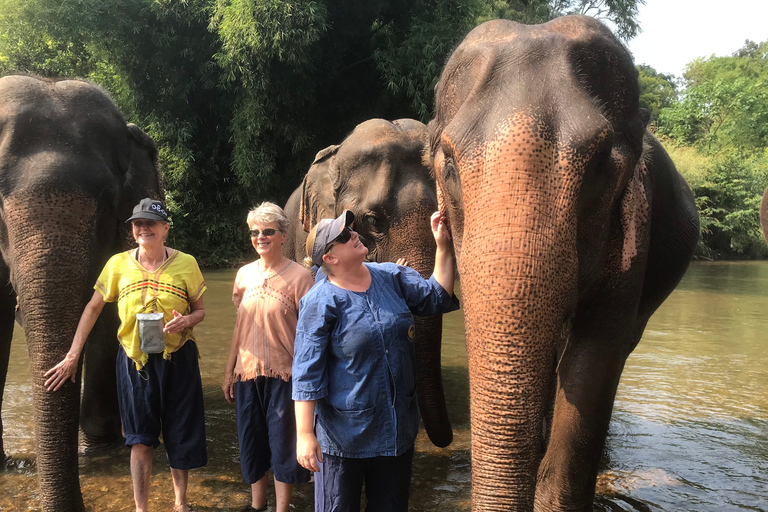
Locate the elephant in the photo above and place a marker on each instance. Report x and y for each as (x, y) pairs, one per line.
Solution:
(570, 227)
(71, 170)
(377, 172)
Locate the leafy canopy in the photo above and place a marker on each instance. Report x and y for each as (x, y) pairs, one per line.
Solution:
(241, 94)
(723, 116)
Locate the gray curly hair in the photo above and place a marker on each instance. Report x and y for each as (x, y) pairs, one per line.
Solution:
(268, 212)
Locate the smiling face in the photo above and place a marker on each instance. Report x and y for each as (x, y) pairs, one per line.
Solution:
(267, 246)
(149, 233)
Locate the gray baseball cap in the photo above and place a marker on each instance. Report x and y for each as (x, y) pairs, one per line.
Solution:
(149, 208)
(325, 232)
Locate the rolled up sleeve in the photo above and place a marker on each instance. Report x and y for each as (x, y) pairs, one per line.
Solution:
(425, 296)
(310, 375)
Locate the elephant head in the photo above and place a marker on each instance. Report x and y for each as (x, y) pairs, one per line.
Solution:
(570, 226)
(378, 173)
(71, 170)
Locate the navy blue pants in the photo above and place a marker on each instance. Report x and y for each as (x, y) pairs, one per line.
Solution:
(339, 484)
(166, 396)
(266, 430)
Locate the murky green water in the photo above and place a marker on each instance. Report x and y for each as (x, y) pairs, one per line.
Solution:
(689, 429)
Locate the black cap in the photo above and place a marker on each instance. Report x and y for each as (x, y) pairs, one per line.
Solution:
(325, 232)
(149, 208)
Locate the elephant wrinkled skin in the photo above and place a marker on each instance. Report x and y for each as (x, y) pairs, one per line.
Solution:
(378, 173)
(571, 226)
(71, 170)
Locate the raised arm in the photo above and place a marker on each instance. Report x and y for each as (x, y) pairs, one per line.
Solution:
(444, 271)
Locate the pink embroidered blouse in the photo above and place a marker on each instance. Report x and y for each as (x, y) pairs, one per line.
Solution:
(267, 312)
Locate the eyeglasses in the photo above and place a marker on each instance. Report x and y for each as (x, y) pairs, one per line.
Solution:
(266, 232)
(343, 238)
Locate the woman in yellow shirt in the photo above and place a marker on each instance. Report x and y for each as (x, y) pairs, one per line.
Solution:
(159, 295)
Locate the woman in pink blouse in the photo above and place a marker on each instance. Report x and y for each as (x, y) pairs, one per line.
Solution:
(257, 378)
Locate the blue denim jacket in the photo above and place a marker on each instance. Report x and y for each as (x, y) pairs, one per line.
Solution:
(354, 355)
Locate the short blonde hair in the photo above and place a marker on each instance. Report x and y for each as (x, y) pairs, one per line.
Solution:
(268, 212)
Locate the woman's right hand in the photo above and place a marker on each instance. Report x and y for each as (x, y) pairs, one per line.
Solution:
(59, 374)
(308, 451)
(228, 387)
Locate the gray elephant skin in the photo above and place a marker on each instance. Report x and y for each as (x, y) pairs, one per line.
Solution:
(71, 170)
(379, 174)
(570, 226)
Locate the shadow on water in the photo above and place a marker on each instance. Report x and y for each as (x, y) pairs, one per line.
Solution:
(689, 430)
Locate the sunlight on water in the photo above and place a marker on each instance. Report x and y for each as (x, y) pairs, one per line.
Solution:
(689, 429)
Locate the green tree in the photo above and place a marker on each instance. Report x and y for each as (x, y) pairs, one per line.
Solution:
(657, 90)
(723, 115)
(729, 204)
(622, 14)
(241, 94)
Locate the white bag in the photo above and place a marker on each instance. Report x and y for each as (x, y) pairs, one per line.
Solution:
(151, 335)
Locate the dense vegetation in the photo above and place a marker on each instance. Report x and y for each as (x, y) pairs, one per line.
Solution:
(240, 94)
(717, 133)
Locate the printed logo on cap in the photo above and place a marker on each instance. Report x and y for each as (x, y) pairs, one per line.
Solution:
(159, 208)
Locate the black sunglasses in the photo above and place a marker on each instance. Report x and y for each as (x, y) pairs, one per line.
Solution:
(266, 232)
(343, 238)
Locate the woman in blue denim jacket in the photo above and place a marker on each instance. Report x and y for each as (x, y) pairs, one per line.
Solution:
(354, 367)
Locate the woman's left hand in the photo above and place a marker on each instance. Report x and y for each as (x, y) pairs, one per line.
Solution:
(178, 324)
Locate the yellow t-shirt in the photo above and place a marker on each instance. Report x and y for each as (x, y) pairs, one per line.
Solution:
(174, 286)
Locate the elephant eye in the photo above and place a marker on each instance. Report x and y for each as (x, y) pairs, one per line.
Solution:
(449, 169)
(451, 182)
(373, 224)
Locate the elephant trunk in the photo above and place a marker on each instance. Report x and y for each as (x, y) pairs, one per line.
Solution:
(51, 241)
(517, 251)
(429, 381)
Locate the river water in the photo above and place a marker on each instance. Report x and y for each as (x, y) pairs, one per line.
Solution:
(689, 429)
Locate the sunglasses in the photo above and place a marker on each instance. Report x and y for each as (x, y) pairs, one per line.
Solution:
(343, 238)
(266, 232)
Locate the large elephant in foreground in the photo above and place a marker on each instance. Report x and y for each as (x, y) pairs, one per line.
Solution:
(570, 226)
(71, 170)
(378, 173)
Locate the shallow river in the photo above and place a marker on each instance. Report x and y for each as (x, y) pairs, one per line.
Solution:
(689, 429)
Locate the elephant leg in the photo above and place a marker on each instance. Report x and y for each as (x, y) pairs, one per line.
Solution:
(586, 387)
(99, 411)
(7, 306)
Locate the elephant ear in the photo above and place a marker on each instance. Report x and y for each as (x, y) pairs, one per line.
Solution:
(317, 197)
(645, 115)
(142, 176)
(764, 215)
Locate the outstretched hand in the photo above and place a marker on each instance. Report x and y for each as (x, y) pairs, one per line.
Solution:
(402, 261)
(177, 324)
(61, 373)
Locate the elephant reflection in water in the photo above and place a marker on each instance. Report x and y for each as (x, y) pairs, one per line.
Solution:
(377, 172)
(71, 170)
(570, 226)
